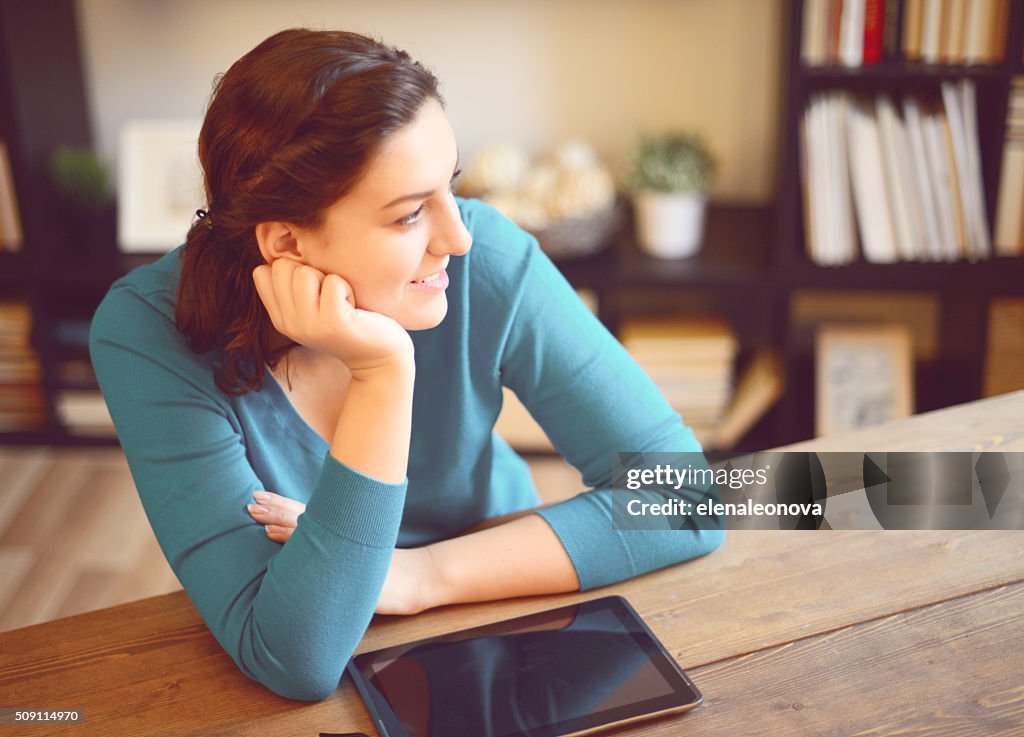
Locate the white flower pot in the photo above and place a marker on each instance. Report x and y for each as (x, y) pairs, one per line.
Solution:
(669, 225)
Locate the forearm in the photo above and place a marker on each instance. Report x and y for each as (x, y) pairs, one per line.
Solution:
(373, 430)
(519, 558)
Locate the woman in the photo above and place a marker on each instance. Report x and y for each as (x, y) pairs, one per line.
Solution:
(337, 330)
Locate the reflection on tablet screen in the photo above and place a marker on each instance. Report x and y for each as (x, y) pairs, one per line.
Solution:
(553, 673)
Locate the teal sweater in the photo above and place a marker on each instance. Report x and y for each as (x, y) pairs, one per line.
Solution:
(290, 616)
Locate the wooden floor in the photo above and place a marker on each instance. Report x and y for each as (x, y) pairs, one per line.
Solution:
(74, 536)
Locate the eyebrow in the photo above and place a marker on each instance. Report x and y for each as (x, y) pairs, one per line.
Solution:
(419, 195)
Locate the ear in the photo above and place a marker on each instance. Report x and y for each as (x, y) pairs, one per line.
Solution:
(279, 240)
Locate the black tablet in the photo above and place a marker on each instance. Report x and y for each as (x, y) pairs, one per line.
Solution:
(566, 671)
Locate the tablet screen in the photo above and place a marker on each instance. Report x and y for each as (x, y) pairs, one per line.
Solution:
(557, 672)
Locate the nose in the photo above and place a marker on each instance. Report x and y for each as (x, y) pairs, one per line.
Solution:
(450, 234)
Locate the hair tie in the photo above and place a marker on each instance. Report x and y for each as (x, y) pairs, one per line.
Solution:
(204, 215)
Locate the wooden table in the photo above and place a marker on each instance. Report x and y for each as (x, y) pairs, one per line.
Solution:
(823, 632)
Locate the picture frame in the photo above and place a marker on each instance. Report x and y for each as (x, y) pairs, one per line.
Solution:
(864, 375)
(160, 183)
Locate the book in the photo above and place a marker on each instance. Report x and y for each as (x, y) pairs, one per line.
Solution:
(814, 33)
(684, 337)
(969, 110)
(953, 52)
(931, 29)
(922, 181)
(979, 31)
(1009, 223)
(913, 13)
(835, 12)
(84, 412)
(829, 226)
(808, 176)
(999, 31)
(874, 31)
(945, 143)
(892, 33)
(871, 200)
(841, 198)
(1004, 351)
(689, 359)
(942, 184)
(897, 179)
(851, 33)
(757, 390)
(963, 139)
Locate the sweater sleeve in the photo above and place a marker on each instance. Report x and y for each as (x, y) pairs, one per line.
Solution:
(289, 615)
(593, 400)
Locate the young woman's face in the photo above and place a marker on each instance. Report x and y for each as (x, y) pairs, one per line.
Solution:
(392, 235)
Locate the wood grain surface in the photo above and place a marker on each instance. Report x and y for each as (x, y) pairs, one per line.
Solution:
(786, 632)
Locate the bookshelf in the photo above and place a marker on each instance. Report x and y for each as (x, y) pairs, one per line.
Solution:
(42, 106)
(963, 289)
(751, 269)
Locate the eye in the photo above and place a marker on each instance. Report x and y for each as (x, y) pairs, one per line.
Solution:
(411, 217)
(455, 179)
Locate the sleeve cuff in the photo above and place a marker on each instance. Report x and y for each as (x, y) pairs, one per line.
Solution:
(584, 526)
(356, 506)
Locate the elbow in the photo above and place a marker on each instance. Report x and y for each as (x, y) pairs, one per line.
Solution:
(305, 691)
(301, 679)
(299, 687)
(709, 541)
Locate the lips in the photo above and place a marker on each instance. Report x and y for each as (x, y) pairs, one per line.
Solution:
(436, 276)
(434, 283)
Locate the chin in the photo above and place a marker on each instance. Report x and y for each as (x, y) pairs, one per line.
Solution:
(426, 319)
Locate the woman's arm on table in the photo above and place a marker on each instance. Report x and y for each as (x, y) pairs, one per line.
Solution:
(520, 555)
(593, 401)
(289, 617)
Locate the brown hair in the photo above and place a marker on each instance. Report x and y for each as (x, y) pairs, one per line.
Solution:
(289, 130)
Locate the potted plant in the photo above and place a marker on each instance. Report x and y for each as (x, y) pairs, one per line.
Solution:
(670, 175)
(83, 187)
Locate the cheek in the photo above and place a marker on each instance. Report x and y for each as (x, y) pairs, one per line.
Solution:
(381, 286)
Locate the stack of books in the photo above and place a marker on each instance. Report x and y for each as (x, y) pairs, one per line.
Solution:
(691, 360)
(1009, 234)
(84, 413)
(80, 406)
(855, 33)
(893, 180)
(22, 399)
(1005, 346)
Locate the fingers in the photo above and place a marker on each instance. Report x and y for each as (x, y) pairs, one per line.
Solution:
(281, 272)
(262, 277)
(278, 534)
(291, 293)
(337, 298)
(276, 510)
(306, 283)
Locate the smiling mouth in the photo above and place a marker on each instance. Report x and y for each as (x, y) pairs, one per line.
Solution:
(436, 276)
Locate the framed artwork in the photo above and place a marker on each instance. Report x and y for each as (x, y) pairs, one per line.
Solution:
(160, 183)
(864, 375)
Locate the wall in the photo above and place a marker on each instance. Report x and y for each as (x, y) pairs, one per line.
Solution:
(530, 71)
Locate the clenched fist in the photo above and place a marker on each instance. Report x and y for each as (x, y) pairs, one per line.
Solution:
(319, 311)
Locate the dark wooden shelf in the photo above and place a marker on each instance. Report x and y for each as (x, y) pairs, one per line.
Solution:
(896, 73)
(999, 275)
(31, 437)
(736, 252)
(92, 276)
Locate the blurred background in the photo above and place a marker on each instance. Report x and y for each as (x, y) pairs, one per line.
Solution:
(801, 217)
